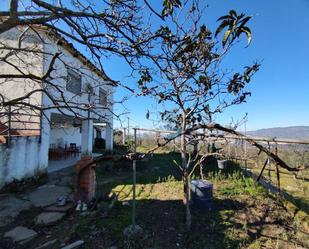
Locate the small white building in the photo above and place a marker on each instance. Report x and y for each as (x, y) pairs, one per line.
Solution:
(70, 85)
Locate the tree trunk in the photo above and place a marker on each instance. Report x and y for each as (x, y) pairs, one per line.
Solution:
(185, 172)
(187, 200)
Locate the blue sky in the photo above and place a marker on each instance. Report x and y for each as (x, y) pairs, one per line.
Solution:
(280, 90)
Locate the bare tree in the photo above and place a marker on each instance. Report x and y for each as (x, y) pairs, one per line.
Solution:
(193, 85)
(99, 28)
(191, 79)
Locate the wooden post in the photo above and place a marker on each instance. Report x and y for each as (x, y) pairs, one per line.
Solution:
(174, 144)
(140, 138)
(134, 185)
(245, 144)
(229, 149)
(277, 169)
(268, 162)
(201, 171)
(158, 134)
(245, 148)
(261, 173)
(236, 153)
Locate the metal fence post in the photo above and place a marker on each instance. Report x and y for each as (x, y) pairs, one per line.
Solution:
(9, 126)
(134, 185)
(124, 136)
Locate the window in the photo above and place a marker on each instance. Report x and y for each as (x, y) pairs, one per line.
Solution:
(74, 82)
(103, 97)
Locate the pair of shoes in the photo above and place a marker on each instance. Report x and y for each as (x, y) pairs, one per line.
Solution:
(61, 201)
(81, 206)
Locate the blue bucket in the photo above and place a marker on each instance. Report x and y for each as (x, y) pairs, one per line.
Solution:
(202, 203)
(201, 189)
(201, 194)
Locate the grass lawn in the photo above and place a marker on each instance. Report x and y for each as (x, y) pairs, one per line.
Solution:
(297, 189)
(243, 215)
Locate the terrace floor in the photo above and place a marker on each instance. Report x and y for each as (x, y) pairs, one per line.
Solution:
(56, 165)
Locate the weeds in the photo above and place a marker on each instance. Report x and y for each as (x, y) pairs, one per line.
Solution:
(160, 211)
(239, 184)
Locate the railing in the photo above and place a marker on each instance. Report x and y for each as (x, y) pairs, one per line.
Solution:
(14, 122)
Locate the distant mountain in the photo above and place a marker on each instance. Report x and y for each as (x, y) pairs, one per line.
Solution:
(291, 132)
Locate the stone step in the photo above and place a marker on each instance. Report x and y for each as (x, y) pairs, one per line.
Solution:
(48, 218)
(21, 234)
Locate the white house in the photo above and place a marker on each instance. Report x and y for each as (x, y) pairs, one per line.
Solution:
(72, 85)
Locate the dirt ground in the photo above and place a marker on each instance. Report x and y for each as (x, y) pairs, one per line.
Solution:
(243, 214)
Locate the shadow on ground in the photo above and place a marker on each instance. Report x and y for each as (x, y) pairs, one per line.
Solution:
(242, 214)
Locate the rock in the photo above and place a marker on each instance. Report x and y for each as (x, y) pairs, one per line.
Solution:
(74, 245)
(61, 209)
(48, 218)
(10, 207)
(21, 234)
(46, 244)
(47, 195)
(125, 203)
(131, 230)
(113, 247)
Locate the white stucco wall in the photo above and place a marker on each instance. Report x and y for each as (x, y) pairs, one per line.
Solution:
(26, 156)
(22, 159)
(88, 78)
(67, 135)
(38, 64)
(27, 63)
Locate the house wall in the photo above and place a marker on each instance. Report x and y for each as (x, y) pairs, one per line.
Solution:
(24, 158)
(89, 77)
(65, 135)
(26, 62)
(69, 135)
(38, 63)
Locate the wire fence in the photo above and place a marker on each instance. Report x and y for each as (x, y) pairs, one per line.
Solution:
(251, 160)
